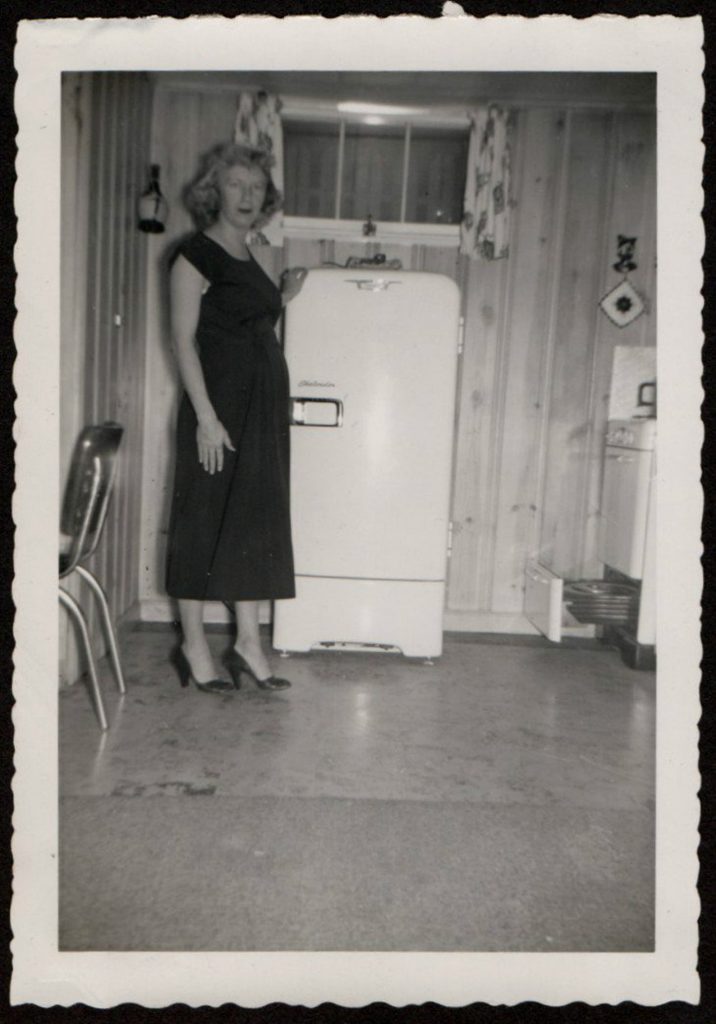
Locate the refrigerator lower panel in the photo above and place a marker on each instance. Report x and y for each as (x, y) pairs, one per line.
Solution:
(362, 614)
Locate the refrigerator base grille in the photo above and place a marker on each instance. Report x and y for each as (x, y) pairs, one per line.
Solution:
(379, 615)
(351, 645)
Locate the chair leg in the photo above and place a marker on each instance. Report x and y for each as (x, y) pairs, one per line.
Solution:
(110, 636)
(77, 614)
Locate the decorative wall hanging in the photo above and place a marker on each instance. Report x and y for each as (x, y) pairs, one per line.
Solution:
(258, 124)
(485, 227)
(623, 304)
(625, 254)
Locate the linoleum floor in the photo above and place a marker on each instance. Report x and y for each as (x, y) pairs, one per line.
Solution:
(501, 799)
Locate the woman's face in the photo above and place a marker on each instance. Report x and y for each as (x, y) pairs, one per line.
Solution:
(242, 191)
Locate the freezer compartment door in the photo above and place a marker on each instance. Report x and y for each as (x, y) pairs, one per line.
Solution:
(370, 473)
(361, 613)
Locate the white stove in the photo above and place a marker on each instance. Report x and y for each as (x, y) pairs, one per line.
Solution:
(627, 540)
(639, 434)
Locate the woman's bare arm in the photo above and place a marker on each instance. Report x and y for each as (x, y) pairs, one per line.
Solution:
(291, 283)
(185, 287)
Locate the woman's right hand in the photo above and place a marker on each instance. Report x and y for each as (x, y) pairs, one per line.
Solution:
(211, 437)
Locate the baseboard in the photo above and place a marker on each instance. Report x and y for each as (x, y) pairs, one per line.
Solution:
(163, 609)
(129, 617)
(73, 667)
(487, 622)
(506, 622)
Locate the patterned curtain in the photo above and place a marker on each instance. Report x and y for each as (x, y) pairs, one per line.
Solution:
(258, 124)
(485, 228)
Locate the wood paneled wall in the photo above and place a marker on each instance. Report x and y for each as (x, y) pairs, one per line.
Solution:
(538, 350)
(534, 375)
(106, 134)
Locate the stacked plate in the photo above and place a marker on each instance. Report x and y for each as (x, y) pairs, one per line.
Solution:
(602, 602)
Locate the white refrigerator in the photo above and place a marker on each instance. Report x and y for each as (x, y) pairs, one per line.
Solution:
(372, 356)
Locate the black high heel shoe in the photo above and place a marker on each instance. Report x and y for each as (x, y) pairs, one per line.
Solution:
(236, 664)
(181, 664)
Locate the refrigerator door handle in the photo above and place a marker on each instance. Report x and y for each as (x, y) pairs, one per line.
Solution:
(316, 412)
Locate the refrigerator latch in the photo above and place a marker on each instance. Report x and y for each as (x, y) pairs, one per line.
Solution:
(461, 336)
(376, 284)
(449, 543)
(316, 412)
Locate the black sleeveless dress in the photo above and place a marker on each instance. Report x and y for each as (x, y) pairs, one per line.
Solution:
(230, 532)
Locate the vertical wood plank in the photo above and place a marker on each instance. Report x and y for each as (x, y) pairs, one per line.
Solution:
(98, 562)
(97, 160)
(127, 344)
(184, 149)
(645, 276)
(113, 388)
(186, 144)
(632, 212)
(567, 436)
(113, 544)
(442, 260)
(301, 252)
(218, 114)
(99, 227)
(137, 293)
(130, 343)
(473, 527)
(530, 270)
(160, 372)
(75, 208)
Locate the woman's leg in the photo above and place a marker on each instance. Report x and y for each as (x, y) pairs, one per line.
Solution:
(195, 646)
(248, 640)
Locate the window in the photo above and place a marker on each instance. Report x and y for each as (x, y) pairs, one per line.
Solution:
(372, 180)
(397, 173)
(436, 176)
(310, 157)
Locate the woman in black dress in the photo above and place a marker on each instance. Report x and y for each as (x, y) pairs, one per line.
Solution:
(230, 532)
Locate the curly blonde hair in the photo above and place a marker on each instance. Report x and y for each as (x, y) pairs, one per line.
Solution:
(202, 195)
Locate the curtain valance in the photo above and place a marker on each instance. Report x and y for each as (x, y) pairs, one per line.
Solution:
(258, 124)
(484, 232)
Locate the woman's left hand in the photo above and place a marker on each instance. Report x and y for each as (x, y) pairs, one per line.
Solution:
(292, 282)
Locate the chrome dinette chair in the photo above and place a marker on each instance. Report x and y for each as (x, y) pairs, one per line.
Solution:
(84, 510)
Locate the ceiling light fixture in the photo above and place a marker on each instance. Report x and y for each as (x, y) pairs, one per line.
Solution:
(378, 109)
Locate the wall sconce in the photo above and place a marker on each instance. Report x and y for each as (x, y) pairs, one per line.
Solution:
(153, 207)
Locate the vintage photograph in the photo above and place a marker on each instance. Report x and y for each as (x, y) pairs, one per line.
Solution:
(358, 423)
(360, 372)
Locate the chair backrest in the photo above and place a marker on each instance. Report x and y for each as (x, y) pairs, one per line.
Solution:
(89, 485)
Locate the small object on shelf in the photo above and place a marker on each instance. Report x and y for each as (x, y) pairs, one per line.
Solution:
(370, 227)
(153, 207)
(379, 260)
(602, 602)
